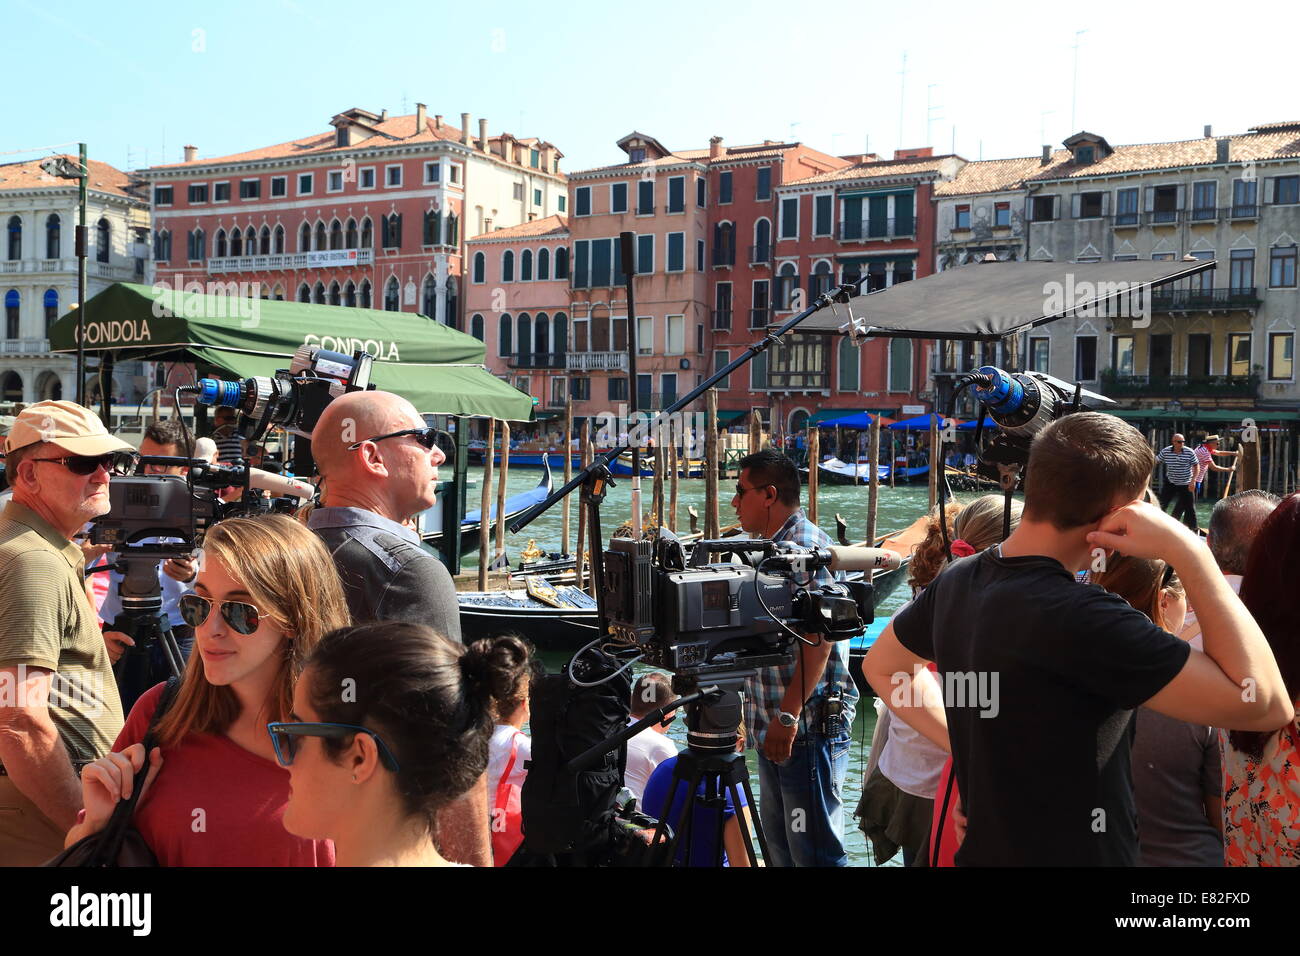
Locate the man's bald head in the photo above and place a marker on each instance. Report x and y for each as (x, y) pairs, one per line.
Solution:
(356, 417)
(1234, 524)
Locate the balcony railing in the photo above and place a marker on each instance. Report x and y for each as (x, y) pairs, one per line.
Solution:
(1162, 217)
(877, 229)
(721, 320)
(537, 360)
(760, 255)
(596, 361)
(723, 257)
(760, 318)
(1200, 300)
(654, 401)
(1243, 211)
(38, 265)
(1180, 386)
(24, 346)
(321, 259)
(800, 363)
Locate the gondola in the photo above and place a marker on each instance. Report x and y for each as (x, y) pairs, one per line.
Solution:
(832, 471)
(431, 518)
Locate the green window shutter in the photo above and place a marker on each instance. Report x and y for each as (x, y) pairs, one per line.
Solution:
(853, 218)
(904, 214)
(900, 365)
(877, 217)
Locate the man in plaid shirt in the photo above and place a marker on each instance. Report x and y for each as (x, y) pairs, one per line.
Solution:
(802, 759)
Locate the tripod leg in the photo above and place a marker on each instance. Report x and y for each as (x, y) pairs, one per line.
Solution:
(758, 824)
(662, 825)
(172, 651)
(711, 788)
(734, 792)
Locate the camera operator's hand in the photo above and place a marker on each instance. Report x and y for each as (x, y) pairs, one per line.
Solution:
(179, 569)
(1141, 530)
(92, 552)
(110, 779)
(117, 643)
(779, 742)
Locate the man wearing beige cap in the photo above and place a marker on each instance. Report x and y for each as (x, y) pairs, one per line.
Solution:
(59, 707)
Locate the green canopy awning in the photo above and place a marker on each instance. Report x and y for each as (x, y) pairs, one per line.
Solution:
(1203, 415)
(438, 369)
(727, 416)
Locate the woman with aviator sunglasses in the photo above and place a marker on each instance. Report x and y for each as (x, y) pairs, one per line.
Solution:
(371, 769)
(266, 591)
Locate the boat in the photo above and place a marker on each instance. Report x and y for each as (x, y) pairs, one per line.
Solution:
(526, 457)
(622, 465)
(429, 521)
(835, 472)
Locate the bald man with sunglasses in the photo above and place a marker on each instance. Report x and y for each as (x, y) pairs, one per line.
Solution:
(59, 706)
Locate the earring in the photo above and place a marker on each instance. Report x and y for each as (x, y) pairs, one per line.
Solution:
(354, 778)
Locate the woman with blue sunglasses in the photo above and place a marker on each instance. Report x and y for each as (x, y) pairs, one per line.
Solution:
(266, 591)
(390, 723)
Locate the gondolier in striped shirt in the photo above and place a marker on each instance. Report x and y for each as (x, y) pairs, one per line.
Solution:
(1205, 453)
(1180, 466)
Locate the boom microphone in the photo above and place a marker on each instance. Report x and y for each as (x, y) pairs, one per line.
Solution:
(862, 559)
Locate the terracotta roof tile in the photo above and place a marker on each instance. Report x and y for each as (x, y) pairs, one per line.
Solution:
(996, 175)
(29, 175)
(880, 169)
(550, 226)
(1188, 152)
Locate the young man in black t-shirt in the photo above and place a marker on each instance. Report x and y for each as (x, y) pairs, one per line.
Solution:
(1040, 674)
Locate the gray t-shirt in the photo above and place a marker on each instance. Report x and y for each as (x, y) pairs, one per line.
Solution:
(1175, 768)
(387, 575)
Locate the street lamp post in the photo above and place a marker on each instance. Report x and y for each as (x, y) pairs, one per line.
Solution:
(63, 168)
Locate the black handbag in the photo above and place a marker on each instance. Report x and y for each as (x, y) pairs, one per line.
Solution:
(119, 843)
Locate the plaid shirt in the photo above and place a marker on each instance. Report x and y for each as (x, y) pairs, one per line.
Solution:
(764, 691)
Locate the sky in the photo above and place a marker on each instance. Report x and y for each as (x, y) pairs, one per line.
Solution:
(139, 80)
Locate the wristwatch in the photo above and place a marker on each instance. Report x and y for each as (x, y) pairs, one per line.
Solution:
(788, 720)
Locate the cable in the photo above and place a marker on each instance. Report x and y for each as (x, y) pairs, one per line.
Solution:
(582, 650)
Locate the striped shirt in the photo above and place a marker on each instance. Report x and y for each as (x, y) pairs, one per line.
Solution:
(1178, 464)
(229, 447)
(1203, 460)
(764, 691)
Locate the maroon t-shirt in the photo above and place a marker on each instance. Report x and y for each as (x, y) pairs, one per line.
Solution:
(214, 803)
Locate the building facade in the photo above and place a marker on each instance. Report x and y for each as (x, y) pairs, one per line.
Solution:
(38, 272)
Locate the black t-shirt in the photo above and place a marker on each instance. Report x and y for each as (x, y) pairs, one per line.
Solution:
(1056, 668)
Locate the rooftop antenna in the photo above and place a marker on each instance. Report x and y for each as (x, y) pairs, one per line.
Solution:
(792, 126)
(1074, 94)
(902, 87)
(929, 114)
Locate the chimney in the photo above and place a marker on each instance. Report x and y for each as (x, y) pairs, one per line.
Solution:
(1221, 146)
(715, 147)
(1209, 131)
(383, 116)
(464, 130)
(191, 153)
(420, 117)
(1047, 155)
(437, 121)
(482, 135)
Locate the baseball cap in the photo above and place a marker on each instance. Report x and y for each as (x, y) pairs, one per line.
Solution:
(72, 427)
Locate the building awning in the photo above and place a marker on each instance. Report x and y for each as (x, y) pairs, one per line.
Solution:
(1259, 415)
(826, 414)
(728, 416)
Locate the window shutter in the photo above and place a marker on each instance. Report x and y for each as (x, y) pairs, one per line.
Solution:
(1268, 190)
(1181, 202)
(1076, 205)
(1105, 204)
(1056, 207)
(1149, 199)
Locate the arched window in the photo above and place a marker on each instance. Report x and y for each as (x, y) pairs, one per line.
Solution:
(336, 295)
(543, 264)
(430, 308)
(250, 241)
(350, 235)
(162, 246)
(221, 244)
(453, 229)
(320, 236)
(524, 328)
(542, 337)
(336, 235)
(304, 293)
(526, 266)
(480, 267)
(198, 246)
(51, 309)
(318, 293)
(11, 387)
(821, 279)
(278, 247)
(236, 243)
(798, 421)
(560, 339)
(504, 339)
(264, 242)
(432, 228)
(350, 295)
(52, 243)
(12, 303)
(476, 326)
(15, 237)
(507, 266)
(102, 246)
(787, 280)
(304, 238)
(365, 293)
(850, 362)
(367, 233)
(453, 303)
(392, 296)
(277, 294)
(724, 244)
(762, 241)
(562, 262)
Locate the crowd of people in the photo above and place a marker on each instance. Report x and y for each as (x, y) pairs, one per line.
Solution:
(328, 712)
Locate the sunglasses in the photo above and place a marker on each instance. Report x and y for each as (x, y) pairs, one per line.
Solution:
(428, 437)
(243, 618)
(284, 737)
(115, 462)
(741, 489)
(1167, 576)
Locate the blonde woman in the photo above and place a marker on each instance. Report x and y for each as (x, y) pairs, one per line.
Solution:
(266, 592)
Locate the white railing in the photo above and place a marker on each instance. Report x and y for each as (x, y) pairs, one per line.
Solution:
(596, 361)
(24, 346)
(292, 260)
(11, 266)
(104, 270)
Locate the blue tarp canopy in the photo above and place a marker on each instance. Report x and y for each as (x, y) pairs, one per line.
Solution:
(920, 423)
(856, 420)
(973, 424)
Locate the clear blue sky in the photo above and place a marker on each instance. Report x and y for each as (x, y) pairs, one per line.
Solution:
(137, 81)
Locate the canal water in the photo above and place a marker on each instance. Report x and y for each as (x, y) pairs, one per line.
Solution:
(898, 508)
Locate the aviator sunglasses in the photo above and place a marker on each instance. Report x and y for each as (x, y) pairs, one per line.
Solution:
(243, 618)
(115, 462)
